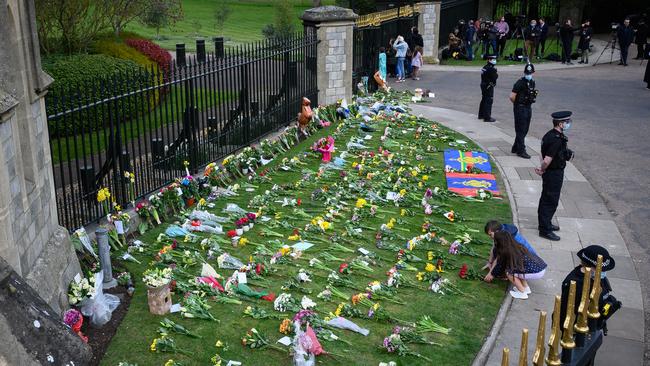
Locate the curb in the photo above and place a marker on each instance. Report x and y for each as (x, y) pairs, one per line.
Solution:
(488, 344)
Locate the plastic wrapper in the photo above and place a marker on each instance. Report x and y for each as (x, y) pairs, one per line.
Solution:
(100, 307)
(175, 231)
(203, 228)
(343, 323)
(234, 208)
(227, 261)
(205, 216)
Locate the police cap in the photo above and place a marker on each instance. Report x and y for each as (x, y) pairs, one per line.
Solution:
(491, 57)
(529, 69)
(589, 255)
(561, 115)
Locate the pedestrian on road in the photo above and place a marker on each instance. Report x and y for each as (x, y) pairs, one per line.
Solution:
(516, 263)
(489, 78)
(555, 154)
(607, 303)
(583, 43)
(523, 95)
(543, 34)
(401, 47)
(641, 38)
(566, 35)
(625, 35)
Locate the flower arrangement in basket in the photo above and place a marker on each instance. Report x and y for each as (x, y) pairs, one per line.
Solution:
(155, 277)
(325, 146)
(158, 292)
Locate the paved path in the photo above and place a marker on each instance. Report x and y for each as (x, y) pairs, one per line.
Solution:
(584, 220)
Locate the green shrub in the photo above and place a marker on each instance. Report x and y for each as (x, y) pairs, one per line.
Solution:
(123, 51)
(82, 79)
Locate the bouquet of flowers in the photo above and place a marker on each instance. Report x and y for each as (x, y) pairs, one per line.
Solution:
(82, 290)
(410, 335)
(168, 325)
(425, 324)
(394, 344)
(285, 302)
(256, 340)
(124, 279)
(155, 277)
(229, 262)
(167, 345)
(259, 313)
(196, 307)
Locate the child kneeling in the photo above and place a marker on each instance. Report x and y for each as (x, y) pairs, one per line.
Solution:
(517, 264)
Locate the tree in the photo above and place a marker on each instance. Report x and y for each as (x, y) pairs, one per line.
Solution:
(68, 25)
(119, 13)
(283, 22)
(162, 13)
(221, 14)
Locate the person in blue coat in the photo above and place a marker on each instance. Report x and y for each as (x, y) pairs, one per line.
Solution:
(401, 47)
(494, 226)
(625, 35)
(470, 33)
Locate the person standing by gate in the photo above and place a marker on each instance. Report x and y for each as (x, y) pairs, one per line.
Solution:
(566, 34)
(531, 34)
(470, 34)
(523, 95)
(543, 34)
(401, 47)
(583, 43)
(489, 77)
(625, 35)
(640, 38)
(555, 154)
(502, 29)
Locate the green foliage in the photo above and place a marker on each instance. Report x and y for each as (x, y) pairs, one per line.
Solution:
(221, 14)
(283, 22)
(162, 13)
(84, 73)
(121, 50)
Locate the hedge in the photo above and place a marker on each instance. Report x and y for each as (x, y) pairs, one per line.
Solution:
(154, 52)
(87, 73)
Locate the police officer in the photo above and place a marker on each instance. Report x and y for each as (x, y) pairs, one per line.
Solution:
(555, 154)
(489, 77)
(522, 96)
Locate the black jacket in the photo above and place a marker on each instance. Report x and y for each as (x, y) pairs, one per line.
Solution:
(578, 276)
(532, 33)
(566, 33)
(585, 38)
(489, 75)
(641, 36)
(543, 31)
(625, 35)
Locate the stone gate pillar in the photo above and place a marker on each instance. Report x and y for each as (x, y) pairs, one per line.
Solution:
(429, 27)
(334, 29)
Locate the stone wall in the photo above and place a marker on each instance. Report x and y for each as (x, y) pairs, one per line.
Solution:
(429, 28)
(31, 240)
(334, 27)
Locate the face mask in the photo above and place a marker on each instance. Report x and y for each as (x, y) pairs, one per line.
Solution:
(566, 128)
(528, 77)
(493, 62)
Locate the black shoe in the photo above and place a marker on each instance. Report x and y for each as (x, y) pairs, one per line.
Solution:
(624, 64)
(555, 228)
(580, 62)
(620, 63)
(523, 155)
(489, 120)
(550, 236)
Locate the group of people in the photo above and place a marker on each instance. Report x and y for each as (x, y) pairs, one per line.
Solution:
(514, 259)
(402, 58)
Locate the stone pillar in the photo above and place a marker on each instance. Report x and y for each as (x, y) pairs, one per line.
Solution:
(334, 29)
(31, 240)
(486, 9)
(429, 27)
(101, 234)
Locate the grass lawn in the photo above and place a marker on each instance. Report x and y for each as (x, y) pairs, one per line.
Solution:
(551, 47)
(76, 147)
(469, 315)
(245, 23)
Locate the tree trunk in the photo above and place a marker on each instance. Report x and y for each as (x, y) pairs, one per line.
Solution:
(316, 3)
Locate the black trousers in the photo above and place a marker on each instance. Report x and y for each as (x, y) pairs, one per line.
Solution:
(566, 51)
(487, 97)
(624, 49)
(551, 187)
(501, 42)
(640, 47)
(523, 113)
(542, 43)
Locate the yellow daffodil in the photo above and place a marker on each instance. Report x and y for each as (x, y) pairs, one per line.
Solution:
(430, 255)
(420, 184)
(294, 237)
(285, 250)
(170, 362)
(361, 202)
(420, 276)
(402, 192)
(354, 164)
(414, 173)
(243, 241)
(219, 344)
(325, 225)
(103, 194)
(430, 267)
(402, 212)
(425, 178)
(153, 345)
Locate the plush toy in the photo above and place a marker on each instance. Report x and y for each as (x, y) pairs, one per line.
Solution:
(305, 115)
(380, 81)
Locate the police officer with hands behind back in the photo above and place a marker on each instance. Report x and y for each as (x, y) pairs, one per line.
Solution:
(523, 95)
(489, 78)
(555, 154)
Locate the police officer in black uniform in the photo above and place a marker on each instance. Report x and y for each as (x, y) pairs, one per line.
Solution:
(523, 95)
(555, 154)
(489, 77)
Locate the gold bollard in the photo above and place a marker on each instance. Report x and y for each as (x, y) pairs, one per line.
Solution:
(523, 352)
(540, 348)
(596, 289)
(505, 357)
(581, 324)
(567, 341)
(553, 358)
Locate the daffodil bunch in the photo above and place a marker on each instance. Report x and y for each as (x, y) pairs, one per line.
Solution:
(166, 345)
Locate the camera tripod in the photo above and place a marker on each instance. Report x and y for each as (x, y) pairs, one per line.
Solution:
(612, 46)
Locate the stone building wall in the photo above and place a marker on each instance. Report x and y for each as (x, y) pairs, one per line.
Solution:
(31, 240)
(429, 28)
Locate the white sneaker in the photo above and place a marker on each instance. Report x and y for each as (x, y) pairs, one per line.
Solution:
(518, 295)
(527, 290)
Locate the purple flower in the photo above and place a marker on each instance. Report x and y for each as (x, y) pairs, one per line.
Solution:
(71, 317)
(428, 193)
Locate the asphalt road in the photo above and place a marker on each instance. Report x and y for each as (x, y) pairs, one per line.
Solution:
(610, 135)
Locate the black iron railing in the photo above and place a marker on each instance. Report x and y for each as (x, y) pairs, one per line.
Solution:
(199, 109)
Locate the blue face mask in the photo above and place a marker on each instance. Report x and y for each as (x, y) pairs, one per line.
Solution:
(493, 62)
(528, 77)
(566, 128)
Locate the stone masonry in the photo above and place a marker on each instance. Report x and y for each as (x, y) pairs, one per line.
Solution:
(31, 240)
(334, 27)
(429, 27)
